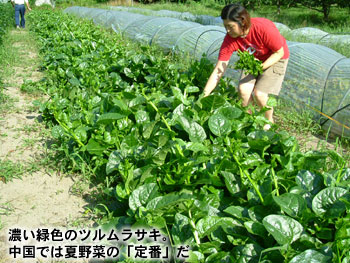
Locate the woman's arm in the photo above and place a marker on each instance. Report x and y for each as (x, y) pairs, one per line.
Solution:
(215, 77)
(27, 3)
(274, 58)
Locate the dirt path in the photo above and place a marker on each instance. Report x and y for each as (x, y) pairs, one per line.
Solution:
(40, 198)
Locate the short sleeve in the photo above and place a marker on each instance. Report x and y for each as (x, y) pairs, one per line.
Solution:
(272, 37)
(227, 48)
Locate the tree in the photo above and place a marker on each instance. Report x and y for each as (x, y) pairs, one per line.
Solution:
(323, 6)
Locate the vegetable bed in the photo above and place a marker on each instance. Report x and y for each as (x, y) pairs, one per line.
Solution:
(6, 18)
(200, 169)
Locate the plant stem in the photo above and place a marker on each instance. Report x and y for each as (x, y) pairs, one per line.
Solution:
(165, 122)
(167, 230)
(195, 232)
(275, 181)
(64, 126)
(249, 178)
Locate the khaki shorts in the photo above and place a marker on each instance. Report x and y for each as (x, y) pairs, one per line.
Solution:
(270, 81)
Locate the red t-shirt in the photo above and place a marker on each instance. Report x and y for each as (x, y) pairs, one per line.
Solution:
(262, 40)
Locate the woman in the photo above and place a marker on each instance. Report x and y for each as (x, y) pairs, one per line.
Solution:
(260, 37)
(20, 10)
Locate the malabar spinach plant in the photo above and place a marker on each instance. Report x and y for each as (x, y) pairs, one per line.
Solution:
(248, 63)
(201, 170)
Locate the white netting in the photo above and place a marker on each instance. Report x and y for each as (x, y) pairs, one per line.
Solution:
(45, 2)
(308, 34)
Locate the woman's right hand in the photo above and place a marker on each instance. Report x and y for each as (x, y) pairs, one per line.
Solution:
(215, 77)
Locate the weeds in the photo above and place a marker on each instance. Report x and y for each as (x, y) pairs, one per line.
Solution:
(6, 102)
(10, 170)
(296, 120)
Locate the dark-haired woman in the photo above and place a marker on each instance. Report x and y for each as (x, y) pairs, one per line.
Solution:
(260, 37)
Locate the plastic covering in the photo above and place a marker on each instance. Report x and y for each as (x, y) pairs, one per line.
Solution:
(45, 2)
(307, 33)
(316, 75)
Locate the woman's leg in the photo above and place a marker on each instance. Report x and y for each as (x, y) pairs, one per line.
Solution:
(261, 100)
(17, 15)
(245, 92)
(270, 82)
(245, 88)
(22, 11)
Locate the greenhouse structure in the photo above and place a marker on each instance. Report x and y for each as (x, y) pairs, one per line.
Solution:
(317, 76)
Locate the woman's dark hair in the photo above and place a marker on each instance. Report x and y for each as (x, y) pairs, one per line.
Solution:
(236, 13)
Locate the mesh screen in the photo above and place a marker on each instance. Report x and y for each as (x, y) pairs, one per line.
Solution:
(306, 33)
(316, 75)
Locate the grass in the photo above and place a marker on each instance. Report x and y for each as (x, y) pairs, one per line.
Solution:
(29, 87)
(296, 17)
(10, 64)
(10, 170)
(6, 102)
(297, 120)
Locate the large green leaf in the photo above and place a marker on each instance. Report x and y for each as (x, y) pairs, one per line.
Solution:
(284, 229)
(192, 89)
(178, 111)
(93, 147)
(197, 133)
(166, 201)
(57, 132)
(255, 228)
(238, 212)
(212, 102)
(309, 181)
(327, 202)
(205, 226)
(310, 256)
(179, 95)
(81, 133)
(160, 155)
(219, 125)
(129, 143)
(137, 101)
(257, 213)
(230, 113)
(292, 204)
(247, 253)
(74, 81)
(196, 147)
(110, 117)
(114, 160)
(185, 122)
(181, 231)
(195, 257)
(142, 195)
(337, 177)
(147, 129)
(221, 257)
(261, 139)
(232, 182)
(141, 117)
(121, 104)
(342, 236)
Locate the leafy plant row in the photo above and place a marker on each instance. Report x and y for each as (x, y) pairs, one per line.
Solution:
(200, 169)
(6, 19)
